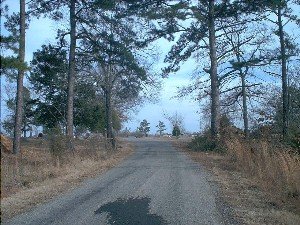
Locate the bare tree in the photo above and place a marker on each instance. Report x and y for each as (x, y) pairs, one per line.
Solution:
(245, 43)
(176, 120)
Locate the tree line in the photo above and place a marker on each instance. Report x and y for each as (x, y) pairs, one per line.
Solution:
(235, 45)
(238, 47)
(89, 78)
(175, 120)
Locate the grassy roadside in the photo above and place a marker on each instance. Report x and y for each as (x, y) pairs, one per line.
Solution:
(252, 202)
(43, 176)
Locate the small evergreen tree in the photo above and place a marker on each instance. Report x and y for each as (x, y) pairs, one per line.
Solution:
(161, 128)
(176, 131)
(144, 127)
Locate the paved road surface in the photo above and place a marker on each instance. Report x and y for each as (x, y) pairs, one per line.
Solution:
(157, 185)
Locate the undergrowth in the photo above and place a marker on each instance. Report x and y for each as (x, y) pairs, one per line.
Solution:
(205, 143)
(275, 166)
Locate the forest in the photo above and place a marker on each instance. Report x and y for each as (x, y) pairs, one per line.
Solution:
(246, 55)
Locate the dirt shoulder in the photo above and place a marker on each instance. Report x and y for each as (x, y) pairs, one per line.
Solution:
(249, 203)
(25, 198)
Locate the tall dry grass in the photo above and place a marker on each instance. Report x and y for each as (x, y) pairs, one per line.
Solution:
(276, 167)
(43, 159)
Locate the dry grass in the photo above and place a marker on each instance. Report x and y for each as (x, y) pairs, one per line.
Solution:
(5, 144)
(42, 175)
(258, 179)
(275, 167)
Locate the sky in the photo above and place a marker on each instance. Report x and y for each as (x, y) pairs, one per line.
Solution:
(168, 105)
(43, 31)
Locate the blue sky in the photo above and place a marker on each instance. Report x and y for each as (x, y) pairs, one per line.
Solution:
(168, 105)
(42, 31)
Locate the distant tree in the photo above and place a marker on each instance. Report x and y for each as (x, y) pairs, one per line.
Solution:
(90, 115)
(176, 120)
(294, 107)
(225, 121)
(144, 127)
(126, 132)
(28, 120)
(176, 131)
(161, 128)
(138, 133)
(88, 108)
(294, 112)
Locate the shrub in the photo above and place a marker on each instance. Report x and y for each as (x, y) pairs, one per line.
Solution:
(295, 142)
(176, 131)
(138, 134)
(205, 143)
(57, 142)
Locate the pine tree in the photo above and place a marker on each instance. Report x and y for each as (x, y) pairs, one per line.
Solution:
(55, 10)
(48, 77)
(144, 127)
(21, 71)
(161, 127)
(176, 131)
(109, 49)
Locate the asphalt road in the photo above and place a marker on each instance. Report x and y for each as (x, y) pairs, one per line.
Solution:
(157, 185)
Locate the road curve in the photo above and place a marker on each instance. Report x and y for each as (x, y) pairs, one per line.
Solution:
(157, 185)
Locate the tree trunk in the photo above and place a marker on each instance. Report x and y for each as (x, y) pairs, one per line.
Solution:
(285, 106)
(244, 91)
(19, 102)
(215, 92)
(108, 113)
(245, 107)
(71, 75)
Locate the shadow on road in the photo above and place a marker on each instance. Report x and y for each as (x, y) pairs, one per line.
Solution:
(131, 211)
